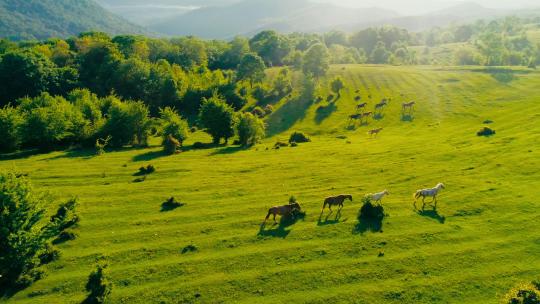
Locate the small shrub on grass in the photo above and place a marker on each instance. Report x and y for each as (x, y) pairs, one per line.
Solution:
(485, 131)
(280, 144)
(357, 98)
(64, 236)
(294, 144)
(528, 293)
(250, 129)
(49, 254)
(330, 97)
(65, 216)
(189, 248)
(171, 204)
(299, 137)
(171, 145)
(98, 286)
(370, 210)
(146, 170)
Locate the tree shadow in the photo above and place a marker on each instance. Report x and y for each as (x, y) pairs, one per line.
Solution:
(200, 146)
(170, 205)
(228, 150)
(281, 230)
(433, 213)
(323, 112)
(407, 117)
(287, 115)
(329, 221)
(148, 156)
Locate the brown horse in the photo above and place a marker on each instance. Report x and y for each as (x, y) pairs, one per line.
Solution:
(336, 201)
(366, 116)
(374, 132)
(361, 106)
(381, 105)
(408, 106)
(287, 210)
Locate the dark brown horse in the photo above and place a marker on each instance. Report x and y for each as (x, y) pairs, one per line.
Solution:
(336, 201)
(361, 106)
(285, 210)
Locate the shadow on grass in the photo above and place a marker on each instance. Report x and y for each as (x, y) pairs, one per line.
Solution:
(228, 150)
(407, 117)
(323, 112)
(378, 116)
(281, 230)
(370, 218)
(287, 115)
(330, 221)
(170, 205)
(148, 156)
(433, 214)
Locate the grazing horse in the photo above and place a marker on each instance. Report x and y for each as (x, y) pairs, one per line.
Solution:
(336, 201)
(366, 116)
(289, 209)
(375, 132)
(432, 192)
(381, 105)
(377, 197)
(355, 117)
(408, 106)
(361, 106)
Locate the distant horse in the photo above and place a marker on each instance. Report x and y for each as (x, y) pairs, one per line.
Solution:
(377, 197)
(375, 132)
(432, 192)
(355, 117)
(361, 106)
(408, 106)
(381, 105)
(336, 201)
(287, 210)
(366, 116)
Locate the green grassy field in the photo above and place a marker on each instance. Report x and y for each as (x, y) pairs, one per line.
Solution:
(481, 241)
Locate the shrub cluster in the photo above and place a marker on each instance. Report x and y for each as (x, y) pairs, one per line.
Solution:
(485, 131)
(528, 293)
(299, 137)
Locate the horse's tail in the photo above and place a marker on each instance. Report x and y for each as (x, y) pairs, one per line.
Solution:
(417, 194)
(268, 215)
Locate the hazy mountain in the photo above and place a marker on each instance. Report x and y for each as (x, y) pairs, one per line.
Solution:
(42, 19)
(249, 16)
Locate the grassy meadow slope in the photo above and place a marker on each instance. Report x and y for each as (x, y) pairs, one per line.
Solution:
(481, 241)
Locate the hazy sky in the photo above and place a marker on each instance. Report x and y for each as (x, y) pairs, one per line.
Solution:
(422, 6)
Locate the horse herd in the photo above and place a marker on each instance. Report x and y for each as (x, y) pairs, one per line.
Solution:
(293, 207)
(407, 108)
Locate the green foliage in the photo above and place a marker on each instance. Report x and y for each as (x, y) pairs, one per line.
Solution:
(128, 123)
(251, 68)
(380, 55)
(299, 137)
(218, 118)
(283, 83)
(173, 126)
(11, 121)
(66, 216)
(250, 129)
(271, 46)
(316, 60)
(98, 285)
(528, 293)
(337, 85)
(23, 234)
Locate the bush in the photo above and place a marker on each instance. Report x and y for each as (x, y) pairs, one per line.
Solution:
(250, 129)
(23, 234)
(64, 236)
(11, 121)
(189, 248)
(199, 145)
(98, 285)
(485, 131)
(171, 145)
(299, 137)
(280, 144)
(524, 294)
(65, 216)
(128, 123)
(146, 170)
(371, 211)
(258, 112)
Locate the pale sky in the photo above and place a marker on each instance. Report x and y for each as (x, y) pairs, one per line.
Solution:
(423, 6)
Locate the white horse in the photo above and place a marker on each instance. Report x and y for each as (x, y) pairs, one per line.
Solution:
(377, 197)
(432, 192)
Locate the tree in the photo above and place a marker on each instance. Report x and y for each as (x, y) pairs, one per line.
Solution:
(380, 55)
(337, 85)
(11, 121)
(283, 82)
(250, 129)
(316, 60)
(24, 73)
(98, 65)
(98, 285)
(23, 233)
(251, 68)
(365, 39)
(271, 46)
(173, 125)
(128, 123)
(217, 117)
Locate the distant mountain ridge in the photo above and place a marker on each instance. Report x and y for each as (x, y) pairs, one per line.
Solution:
(42, 19)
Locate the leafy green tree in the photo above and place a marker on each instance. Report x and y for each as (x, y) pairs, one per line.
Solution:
(491, 45)
(335, 37)
(250, 129)
(366, 39)
(192, 52)
(337, 85)
(271, 46)
(380, 55)
(283, 82)
(316, 60)
(251, 68)
(295, 59)
(98, 65)
(173, 125)
(11, 121)
(24, 73)
(23, 233)
(237, 49)
(98, 285)
(128, 123)
(218, 118)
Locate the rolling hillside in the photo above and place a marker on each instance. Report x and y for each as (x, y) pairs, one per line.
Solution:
(479, 243)
(43, 19)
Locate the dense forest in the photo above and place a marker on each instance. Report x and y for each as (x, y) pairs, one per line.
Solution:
(93, 87)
